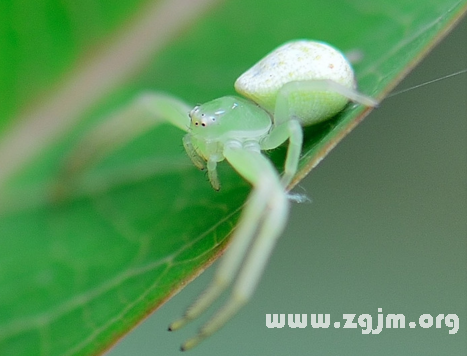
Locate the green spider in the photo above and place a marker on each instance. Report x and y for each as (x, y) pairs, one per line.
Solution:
(300, 83)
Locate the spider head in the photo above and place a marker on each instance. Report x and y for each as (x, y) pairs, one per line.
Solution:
(211, 120)
(202, 117)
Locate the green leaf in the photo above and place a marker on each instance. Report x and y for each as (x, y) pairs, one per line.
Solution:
(77, 274)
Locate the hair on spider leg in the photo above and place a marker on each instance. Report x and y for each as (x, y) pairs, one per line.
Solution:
(300, 198)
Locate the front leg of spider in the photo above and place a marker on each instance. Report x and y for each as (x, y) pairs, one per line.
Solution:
(300, 83)
(143, 113)
(232, 129)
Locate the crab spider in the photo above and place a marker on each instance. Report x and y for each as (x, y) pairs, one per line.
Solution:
(298, 84)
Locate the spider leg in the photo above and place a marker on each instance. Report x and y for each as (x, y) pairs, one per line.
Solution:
(146, 111)
(230, 262)
(295, 133)
(261, 223)
(197, 160)
(212, 173)
(281, 109)
(287, 126)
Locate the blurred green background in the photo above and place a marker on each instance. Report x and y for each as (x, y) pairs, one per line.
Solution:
(386, 229)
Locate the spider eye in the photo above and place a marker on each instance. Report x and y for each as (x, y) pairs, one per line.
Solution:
(203, 124)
